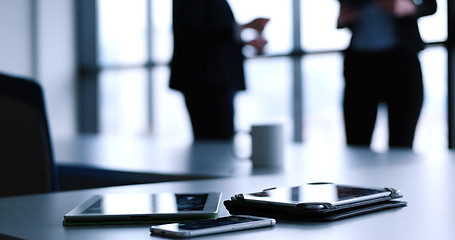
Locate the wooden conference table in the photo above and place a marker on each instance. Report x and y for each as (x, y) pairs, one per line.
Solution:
(426, 181)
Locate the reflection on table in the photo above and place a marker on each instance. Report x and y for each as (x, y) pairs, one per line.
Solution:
(94, 161)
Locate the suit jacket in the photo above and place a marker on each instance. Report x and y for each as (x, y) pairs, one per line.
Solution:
(206, 52)
(407, 28)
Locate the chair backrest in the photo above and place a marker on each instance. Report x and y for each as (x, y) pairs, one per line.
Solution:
(26, 158)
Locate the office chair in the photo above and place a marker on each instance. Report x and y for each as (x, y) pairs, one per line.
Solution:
(26, 158)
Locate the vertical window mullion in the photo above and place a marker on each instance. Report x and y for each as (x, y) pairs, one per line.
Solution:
(451, 72)
(297, 98)
(87, 84)
(149, 66)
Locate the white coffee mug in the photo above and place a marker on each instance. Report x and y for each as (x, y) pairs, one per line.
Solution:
(267, 146)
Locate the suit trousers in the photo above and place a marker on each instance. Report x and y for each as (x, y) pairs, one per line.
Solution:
(211, 112)
(391, 77)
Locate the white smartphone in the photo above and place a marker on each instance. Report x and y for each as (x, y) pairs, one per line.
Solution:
(211, 226)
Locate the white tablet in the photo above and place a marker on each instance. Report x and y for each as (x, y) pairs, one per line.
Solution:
(144, 208)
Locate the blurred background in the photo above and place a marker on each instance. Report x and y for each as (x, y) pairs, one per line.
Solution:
(104, 68)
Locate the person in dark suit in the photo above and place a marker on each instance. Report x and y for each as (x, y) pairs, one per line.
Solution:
(207, 63)
(381, 65)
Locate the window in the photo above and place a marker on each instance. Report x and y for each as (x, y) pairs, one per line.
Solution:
(135, 47)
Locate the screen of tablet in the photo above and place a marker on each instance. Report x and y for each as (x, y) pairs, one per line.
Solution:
(318, 192)
(144, 203)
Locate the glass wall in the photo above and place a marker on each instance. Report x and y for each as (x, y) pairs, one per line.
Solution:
(135, 47)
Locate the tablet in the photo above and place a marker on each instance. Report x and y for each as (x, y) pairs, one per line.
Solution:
(317, 195)
(144, 208)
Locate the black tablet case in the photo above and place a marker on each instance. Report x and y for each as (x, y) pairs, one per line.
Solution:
(238, 205)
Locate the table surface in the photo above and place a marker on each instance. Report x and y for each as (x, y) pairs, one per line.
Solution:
(148, 155)
(425, 180)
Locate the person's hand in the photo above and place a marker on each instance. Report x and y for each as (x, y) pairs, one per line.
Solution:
(257, 24)
(347, 16)
(258, 43)
(398, 8)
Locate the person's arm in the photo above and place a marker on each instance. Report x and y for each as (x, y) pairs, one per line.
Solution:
(408, 8)
(347, 16)
(190, 18)
(425, 7)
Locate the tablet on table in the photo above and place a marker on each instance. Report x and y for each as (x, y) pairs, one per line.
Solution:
(144, 208)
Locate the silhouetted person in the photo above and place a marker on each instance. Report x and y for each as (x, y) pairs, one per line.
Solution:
(381, 66)
(207, 65)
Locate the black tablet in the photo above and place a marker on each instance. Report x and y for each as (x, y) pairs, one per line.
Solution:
(144, 208)
(317, 195)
